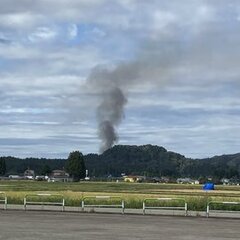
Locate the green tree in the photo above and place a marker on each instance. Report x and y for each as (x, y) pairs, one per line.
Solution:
(75, 165)
(46, 170)
(2, 166)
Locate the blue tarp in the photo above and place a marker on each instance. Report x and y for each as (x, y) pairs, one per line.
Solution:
(208, 186)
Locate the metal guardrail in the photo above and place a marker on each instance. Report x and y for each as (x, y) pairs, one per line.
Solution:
(180, 200)
(3, 199)
(43, 201)
(99, 198)
(219, 202)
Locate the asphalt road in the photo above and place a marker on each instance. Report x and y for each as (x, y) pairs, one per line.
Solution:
(32, 225)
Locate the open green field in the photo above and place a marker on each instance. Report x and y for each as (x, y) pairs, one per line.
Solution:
(132, 193)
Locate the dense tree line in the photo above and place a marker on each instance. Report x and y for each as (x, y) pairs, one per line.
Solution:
(145, 160)
(153, 161)
(2, 167)
(39, 165)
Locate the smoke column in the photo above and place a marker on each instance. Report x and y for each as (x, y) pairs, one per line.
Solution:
(109, 114)
(112, 84)
(108, 84)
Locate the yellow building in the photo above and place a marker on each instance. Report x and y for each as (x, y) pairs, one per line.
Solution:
(133, 179)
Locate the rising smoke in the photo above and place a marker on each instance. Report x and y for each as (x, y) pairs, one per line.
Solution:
(112, 86)
(109, 114)
(112, 99)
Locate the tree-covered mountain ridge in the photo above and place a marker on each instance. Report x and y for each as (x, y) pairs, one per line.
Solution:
(152, 160)
(148, 160)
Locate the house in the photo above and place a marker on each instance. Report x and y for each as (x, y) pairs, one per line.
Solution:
(29, 174)
(187, 181)
(225, 181)
(196, 182)
(59, 176)
(16, 177)
(183, 180)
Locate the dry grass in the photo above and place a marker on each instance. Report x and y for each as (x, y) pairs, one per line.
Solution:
(133, 194)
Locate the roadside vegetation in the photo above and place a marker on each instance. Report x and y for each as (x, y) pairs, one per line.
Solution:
(132, 193)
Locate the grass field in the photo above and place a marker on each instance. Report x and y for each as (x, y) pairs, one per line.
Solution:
(132, 193)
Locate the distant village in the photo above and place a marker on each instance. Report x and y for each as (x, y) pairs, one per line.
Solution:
(62, 176)
(54, 176)
(132, 179)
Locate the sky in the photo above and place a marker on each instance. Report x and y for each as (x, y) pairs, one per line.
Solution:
(161, 72)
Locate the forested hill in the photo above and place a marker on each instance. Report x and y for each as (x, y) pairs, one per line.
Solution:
(146, 160)
(157, 161)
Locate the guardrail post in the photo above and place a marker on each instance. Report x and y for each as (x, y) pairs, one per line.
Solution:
(25, 203)
(144, 207)
(3, 200)
(5, 204)
(186, 209)
(82, 205)
(123, 206)
(63, 205)
(207, 210)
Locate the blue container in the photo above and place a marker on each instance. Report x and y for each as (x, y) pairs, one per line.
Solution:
(208, 186)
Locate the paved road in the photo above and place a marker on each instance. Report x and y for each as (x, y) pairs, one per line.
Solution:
(31, 225)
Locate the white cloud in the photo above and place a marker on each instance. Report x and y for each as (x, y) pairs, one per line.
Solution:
(17, 51)
(20, 20)
(72, 31)
(185, 52)
(161, 19)
(43, 34)
(98, 32)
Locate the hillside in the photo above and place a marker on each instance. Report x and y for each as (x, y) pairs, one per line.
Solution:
(157, 161)
(146, 160)
(143, 160)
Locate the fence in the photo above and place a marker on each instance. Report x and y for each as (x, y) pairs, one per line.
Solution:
(3, 199)
(222, 203)
(110, 202)
(44, 199)
(179, 200)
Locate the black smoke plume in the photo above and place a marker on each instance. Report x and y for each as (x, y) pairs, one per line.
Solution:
(109, 114)
(112, 84)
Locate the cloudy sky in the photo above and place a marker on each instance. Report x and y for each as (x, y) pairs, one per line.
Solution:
(175, 62)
